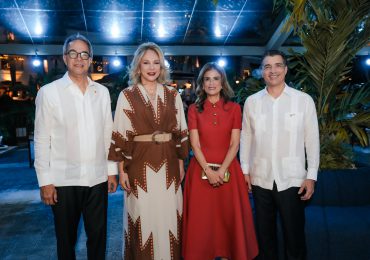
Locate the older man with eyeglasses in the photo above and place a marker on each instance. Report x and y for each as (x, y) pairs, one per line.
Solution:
(73, 128)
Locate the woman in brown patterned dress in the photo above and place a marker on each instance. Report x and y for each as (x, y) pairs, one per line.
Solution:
(150, 141)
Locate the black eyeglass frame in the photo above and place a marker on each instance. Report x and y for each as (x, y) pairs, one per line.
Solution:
(82, 53)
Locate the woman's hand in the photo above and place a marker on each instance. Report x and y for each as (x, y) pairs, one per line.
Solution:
(182, 170)
(214, 177)
(124, 181)
(182, 174)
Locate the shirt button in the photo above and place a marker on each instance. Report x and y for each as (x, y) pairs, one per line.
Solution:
(214, 114)
(213, 105)
(215, 123)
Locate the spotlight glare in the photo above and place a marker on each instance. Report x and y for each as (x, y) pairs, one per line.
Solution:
(116, 62)
(367, 61)
(114, 31)
(36, 62)
(38, 29)
(166, 63)
(217, 32)
(161, 32)
(221, 62)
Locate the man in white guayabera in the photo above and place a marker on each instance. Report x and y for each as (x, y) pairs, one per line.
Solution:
(73, 130)
(279, 132)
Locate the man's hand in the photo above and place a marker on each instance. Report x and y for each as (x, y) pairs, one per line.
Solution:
(48, 194)
(247, 179)
(308, 186)
(112, 183)
(124, 181)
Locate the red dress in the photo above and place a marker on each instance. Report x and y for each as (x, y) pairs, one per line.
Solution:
(217, 222)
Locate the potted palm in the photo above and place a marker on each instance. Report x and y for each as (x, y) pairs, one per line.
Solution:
(332, 32)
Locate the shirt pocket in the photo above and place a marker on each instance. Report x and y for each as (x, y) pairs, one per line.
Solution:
(259, 123)
(259, 168)
(293, 167)
(293, 121)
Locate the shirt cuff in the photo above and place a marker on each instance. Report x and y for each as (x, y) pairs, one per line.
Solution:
(245, 168)
(312, 174)
(112, 168)
(43, 178)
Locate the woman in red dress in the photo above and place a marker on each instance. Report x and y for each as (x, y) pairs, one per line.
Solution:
(217, 219)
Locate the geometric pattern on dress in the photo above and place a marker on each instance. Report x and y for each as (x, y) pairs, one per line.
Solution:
(175, 242)
(134, 247)
(157, 217)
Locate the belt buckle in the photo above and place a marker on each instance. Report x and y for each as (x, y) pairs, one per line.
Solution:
(155, 134)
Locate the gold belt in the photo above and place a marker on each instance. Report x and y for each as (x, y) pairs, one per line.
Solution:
(157, 137)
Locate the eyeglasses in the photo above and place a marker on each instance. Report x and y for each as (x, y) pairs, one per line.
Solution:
(74, 54)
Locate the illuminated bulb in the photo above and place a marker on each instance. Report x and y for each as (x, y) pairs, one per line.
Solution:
(114, 31)
(38, 29)
(221, 62)
(218, 32)
(367, 61)
(36, 62)
(116, 62)
(161, 31)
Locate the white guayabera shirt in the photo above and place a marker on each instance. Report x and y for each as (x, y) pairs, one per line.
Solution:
(72, 134)
(276, 134)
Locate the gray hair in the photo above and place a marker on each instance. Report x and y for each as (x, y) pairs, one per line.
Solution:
(75, 37)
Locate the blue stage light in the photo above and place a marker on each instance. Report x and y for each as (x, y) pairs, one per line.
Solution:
(116, 62)
(221, 62)
(36, 62)
(367, 61)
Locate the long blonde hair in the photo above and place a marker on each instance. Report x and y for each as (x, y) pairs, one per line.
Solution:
(134, 74)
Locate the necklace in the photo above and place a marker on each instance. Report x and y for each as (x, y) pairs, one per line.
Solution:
(151, 93)
(151, 96)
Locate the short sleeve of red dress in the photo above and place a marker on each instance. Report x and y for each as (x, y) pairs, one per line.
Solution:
(237, 117)
(192, 117)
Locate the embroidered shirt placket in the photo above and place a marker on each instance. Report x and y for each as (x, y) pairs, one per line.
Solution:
(275, 134)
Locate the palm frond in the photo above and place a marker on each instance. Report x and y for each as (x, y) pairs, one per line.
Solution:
(329, 31)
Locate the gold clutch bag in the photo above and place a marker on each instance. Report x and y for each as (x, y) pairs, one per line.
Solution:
(215, 167)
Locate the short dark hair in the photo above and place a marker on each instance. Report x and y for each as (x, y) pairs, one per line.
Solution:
(75, 37)
(275, 53)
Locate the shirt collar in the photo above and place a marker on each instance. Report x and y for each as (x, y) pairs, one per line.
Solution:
(287, 90)
(67, 82)
(219, 103)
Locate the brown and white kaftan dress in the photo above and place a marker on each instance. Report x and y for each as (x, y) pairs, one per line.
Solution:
(153, 207)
